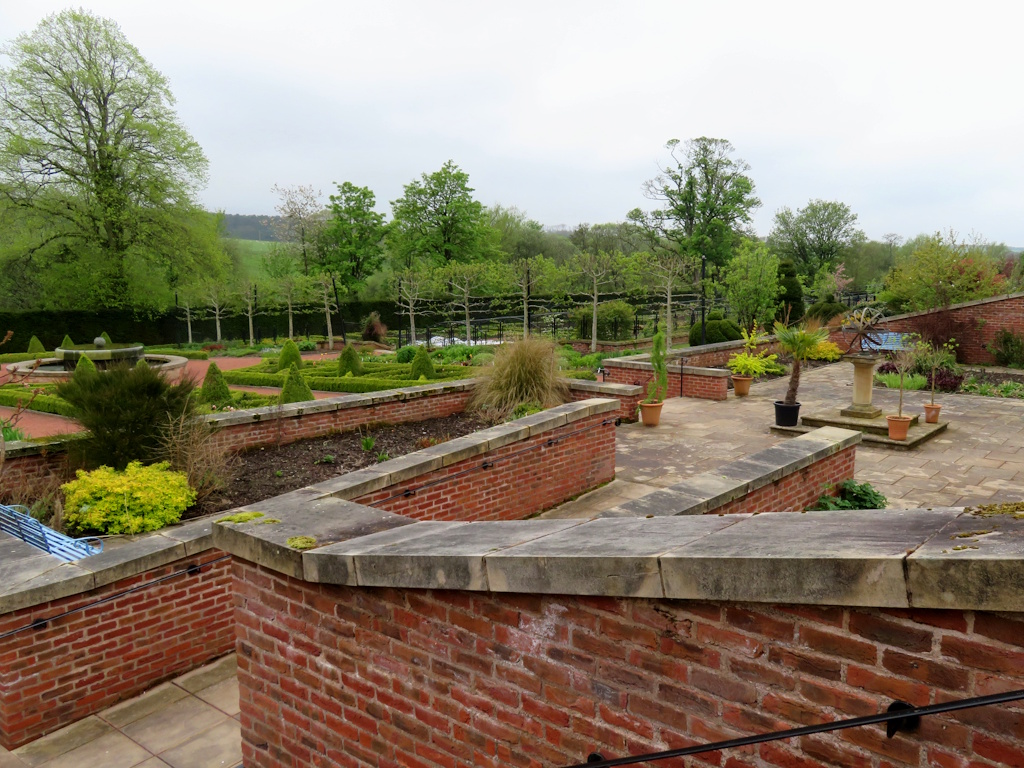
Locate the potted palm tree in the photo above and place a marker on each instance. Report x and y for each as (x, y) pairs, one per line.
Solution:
(657, 387)
(799, 341)
(900, 424)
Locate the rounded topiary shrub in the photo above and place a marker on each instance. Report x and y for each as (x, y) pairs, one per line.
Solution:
(406, 354)
(290, 356)
(35, 346)
(215, 389)
(826, 309)
(139, 499)
(349, 361)
(792, 298)
(421, 364)
(719, 329)
(295, 389)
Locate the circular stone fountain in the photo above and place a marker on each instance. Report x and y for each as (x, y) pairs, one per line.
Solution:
(49, 370)
(102, 354)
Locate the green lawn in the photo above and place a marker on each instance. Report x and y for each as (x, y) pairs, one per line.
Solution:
(251, 253)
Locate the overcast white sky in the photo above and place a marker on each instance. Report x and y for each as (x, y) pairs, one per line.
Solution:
(908, 112)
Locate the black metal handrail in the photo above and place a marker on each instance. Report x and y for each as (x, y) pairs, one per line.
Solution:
(899, 717)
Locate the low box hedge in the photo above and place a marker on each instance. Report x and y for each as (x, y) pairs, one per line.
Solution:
(43, 403)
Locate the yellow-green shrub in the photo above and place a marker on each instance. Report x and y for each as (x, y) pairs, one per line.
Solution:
(826, 350)
(141, 498)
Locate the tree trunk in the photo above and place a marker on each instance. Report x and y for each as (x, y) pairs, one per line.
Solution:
(327, 312)
(188, 324)
(526, 312)
(794, 383)
(216, 317)
(668, 315)
(593, 322)
(412, 324)
(468, 329)
(291, 319)
(252, 336)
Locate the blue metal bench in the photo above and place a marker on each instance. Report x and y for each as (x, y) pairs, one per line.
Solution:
(887, 342)
(20, 524)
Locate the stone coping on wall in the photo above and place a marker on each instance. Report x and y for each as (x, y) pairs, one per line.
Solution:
(642, 363)
(29, 576)
(706, 492)
(961, 305)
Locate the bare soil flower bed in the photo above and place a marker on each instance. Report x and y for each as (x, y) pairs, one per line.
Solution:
(263, 473)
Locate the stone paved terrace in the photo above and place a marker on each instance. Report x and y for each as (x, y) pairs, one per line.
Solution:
(978, 460)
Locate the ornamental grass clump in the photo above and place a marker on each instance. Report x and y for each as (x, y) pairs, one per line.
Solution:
(290, 356)
(349, 361)
(523, 372)
(139, 499)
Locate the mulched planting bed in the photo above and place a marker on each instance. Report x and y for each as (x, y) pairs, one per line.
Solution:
(267, 472)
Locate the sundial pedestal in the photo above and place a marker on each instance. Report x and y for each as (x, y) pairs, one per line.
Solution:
(863, 382)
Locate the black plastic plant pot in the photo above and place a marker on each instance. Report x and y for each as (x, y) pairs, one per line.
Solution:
(786, 415)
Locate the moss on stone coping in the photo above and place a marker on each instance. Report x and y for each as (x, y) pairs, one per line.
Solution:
(301, 542)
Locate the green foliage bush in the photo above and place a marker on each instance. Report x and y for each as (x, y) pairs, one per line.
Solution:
(215, 388)
(67, 342)
(127, 412)
(295, 389)
(523, 372)
(35, 346)
(614, 320)
(306, 345)
(483, 358)
(289, 356)
(828, 351)
(1008, 348)
(139, 499)
(406, 354)
(18, 357)
(15, 396)
(85, 366)
(852, 495)
(421, 365)
(911, 381)
(188, 354)
(456, 353)
(825, 310)
(719, 329)
(349, 361)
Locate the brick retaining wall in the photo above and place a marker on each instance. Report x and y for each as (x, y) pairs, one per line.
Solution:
(538, 476)
(798, 491)
(333, 675)
(80, 664)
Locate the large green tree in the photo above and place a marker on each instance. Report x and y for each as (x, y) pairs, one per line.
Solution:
(437, 220)
(352, 240)
(752, 284)
(93, 158)
(818, 236)
(706, 200)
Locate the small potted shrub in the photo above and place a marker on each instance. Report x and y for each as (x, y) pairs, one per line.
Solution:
(899, 424)
(657, 387)
(799, 341)
(749, 364)
(934, 358)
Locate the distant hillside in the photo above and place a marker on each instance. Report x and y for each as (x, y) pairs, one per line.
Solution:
(249, 227)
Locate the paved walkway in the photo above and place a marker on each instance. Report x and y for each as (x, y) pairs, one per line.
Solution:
(979, 459)
(190, 722)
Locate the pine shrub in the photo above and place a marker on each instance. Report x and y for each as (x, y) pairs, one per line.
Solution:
(349, 361)
(35, 346)
(295, 389)
(290, 356)
(421, 364)
(215, 389)
(127, 412)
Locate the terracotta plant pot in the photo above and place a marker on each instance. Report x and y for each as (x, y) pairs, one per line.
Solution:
(786, 415)
(898, 426)
(931, 413)
(741, 385)
(650, 413)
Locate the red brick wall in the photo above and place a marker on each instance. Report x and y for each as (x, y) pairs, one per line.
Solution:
(335, 676)
(290, 429)
(23, 472)
(80, 664)
(706, 387)
(537, 477)
(627, 405)
(583, 346)
(798, 491)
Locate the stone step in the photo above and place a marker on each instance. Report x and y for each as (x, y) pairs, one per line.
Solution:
(877, 426)
(916, 435)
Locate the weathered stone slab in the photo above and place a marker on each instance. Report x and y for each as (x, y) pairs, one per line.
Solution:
(659, 504)
(327, 520)
(334, 564)
(830, 558)
(196, 535)
(451, 558)
(613, 557)
(44, 585)
(976, 562)
(131, 559)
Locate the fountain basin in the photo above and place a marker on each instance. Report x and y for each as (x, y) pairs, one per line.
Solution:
(52, 370)
(103, 356)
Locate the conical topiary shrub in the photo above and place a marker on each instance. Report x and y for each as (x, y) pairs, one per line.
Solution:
(106, 338)
(67, 343)
(349, 361)
(215, 389)
(35, 346)
(84, 366)
(295, 389)
(290, 356)
(421, 365)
